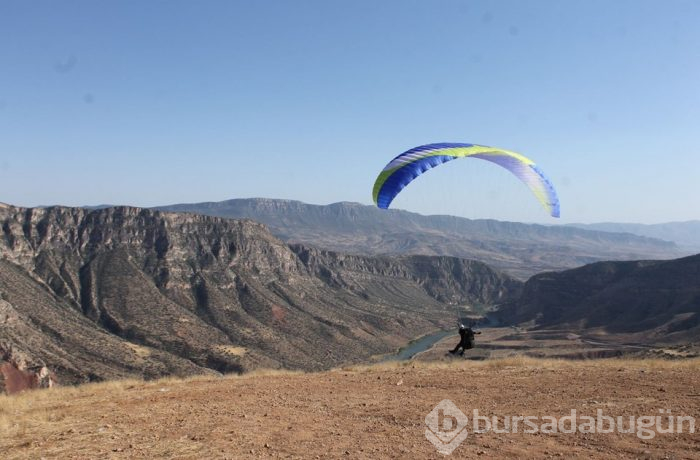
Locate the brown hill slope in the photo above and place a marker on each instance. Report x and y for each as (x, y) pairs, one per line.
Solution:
(126, 291)
(659, 299)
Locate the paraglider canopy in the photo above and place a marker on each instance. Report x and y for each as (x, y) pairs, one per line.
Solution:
(403, 169)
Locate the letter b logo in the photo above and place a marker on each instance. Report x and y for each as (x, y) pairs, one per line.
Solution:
(446, 427)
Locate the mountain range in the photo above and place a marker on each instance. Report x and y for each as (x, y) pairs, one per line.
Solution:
(520, 250)
(684, 234)
(117, 292)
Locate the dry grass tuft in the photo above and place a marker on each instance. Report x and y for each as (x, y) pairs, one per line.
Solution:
(267, 373)
(231, 350)
(141, 351)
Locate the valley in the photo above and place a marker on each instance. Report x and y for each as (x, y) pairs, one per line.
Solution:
(104, 294)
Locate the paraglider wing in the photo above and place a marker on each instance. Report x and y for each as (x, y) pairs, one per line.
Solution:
(404, 168)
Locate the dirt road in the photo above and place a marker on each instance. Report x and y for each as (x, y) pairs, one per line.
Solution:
(374, 412)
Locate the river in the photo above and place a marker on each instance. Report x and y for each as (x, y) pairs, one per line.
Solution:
(418, 346)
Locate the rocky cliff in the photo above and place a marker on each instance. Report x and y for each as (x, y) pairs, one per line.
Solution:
(521, 250)
(115, 292)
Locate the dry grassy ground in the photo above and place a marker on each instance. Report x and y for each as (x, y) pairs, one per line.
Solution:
(359, 412)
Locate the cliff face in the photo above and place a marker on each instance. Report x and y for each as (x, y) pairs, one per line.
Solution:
(448, 279)
(127, 291)
(659, 298)
(521, 250)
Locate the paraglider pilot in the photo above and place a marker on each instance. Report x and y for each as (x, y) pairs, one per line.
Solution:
(466, 341)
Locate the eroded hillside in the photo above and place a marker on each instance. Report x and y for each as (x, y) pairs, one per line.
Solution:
(650, 300)
(116, 292)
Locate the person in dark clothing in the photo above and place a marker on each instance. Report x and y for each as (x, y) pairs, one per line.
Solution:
(466, 341)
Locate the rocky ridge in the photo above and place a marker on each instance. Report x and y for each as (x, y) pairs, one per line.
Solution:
(108, 293)
(518, 249)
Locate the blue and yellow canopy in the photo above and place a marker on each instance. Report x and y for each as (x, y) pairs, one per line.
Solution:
(412, 163)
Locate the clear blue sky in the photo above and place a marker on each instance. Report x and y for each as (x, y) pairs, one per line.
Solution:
(159, 102)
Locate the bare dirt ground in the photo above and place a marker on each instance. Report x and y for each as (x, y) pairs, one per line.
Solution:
(359, 412)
